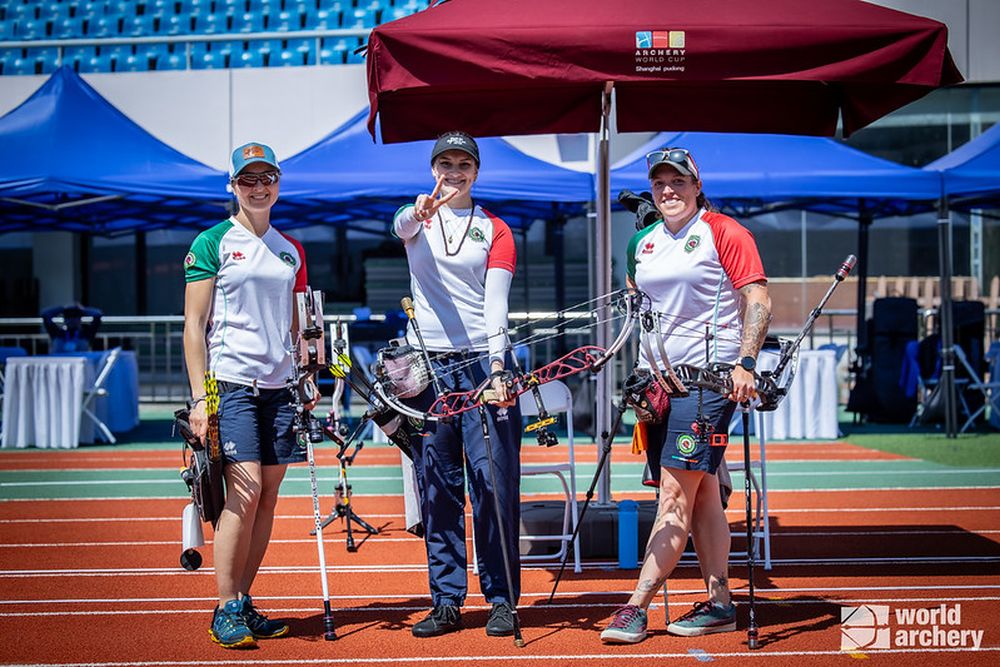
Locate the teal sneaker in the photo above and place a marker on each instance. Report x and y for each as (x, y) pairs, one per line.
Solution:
(260, 625)
(229, 629)
(628, 626)
(704, 619)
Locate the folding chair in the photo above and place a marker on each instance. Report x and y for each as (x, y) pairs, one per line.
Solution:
(96, 391)
(557, 398)
(991, 398)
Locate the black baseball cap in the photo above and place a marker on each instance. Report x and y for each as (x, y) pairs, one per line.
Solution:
(456, 141)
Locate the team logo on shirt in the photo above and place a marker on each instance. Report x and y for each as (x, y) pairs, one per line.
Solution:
(476, 234)
(189, 259)
(287, 258)
(686, 444)
(648, 248)
(692, 242)
(238, 256)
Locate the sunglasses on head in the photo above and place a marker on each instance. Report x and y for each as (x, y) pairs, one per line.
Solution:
(680, 156)
(264, 178)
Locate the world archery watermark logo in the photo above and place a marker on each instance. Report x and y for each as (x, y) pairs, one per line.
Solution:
(867, 627)
(658, 51)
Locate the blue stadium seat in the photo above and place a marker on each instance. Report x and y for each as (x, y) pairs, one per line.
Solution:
(31, 29)
(22, 65)
(7, 58)
(118, 51)
(96, 63)
(232, 7)
(359, 18)
(204, 59)
(46, 59)
(67, 28)
(227, 50)
(89, 10)
(103, 26)
(248, 22)
(152, 52)
(208, 23)
(6, 29)
(53, 11)
(138, 26)
(131, 63)
(284, 22)
(333, 51)
(250, 57)
(272, 7)
(306, 48)
(322, 19)
(268, 49)
(73, 55)
(170, 61)
(195, 6)
(353, 57)
(173, 25)
(22, 12)
(160, 8)
(121, 9)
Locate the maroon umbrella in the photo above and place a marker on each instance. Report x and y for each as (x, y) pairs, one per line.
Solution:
(513, 67)
(540, 66)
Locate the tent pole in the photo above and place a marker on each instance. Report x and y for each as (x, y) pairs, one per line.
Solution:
(861, 345)
(602, 285)
(947, 331)
(558, 223)
(141, 296)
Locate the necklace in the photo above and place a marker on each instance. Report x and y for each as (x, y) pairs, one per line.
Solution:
(450, 237)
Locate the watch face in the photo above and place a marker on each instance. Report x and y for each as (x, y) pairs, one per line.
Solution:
(748, 363)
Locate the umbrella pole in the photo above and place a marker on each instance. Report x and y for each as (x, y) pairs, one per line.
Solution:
(602, 283)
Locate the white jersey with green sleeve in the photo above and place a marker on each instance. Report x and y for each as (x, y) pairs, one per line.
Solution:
(249, 335)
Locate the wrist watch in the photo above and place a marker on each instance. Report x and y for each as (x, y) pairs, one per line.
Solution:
(748, 363)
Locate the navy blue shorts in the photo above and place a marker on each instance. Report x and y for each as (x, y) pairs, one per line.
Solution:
(680, 447)
(257, 428)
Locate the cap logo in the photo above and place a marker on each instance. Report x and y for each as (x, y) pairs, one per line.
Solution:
(253, 151)
(456, 141)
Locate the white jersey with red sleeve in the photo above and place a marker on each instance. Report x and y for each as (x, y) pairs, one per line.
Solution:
(450, 256)
(693, 278)
(249, 336)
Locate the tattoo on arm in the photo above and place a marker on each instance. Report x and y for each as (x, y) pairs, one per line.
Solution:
(756, 318)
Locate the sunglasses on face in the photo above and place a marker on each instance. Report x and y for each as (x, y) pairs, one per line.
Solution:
(251, 180)
(679, 156)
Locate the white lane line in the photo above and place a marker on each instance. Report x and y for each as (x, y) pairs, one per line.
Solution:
(379, 539)
(423, 607)
(505, 658)
(544, 596)
(421, 567)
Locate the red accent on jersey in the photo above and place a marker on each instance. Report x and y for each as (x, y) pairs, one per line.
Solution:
(648, 248)
(503, 254)
(301, 278)
(737, 250)
(239, 256)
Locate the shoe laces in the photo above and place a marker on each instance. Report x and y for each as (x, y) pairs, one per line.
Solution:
(698, 607)
(503, 612)
(624, 616)
(446, 613)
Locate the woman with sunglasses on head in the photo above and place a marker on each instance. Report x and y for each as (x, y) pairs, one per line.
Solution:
(241, 275)
(461, 259)
(703, 274)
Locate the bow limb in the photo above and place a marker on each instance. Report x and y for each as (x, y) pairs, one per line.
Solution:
(398, 406)
(633, 303)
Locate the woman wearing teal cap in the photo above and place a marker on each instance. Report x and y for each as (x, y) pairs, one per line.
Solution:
(241, 275)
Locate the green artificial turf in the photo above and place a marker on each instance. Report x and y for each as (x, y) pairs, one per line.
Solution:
(979, 450)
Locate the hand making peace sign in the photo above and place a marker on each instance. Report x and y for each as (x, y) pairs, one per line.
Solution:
(428, 205)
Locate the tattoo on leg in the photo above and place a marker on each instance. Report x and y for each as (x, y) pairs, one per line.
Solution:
(650, 585)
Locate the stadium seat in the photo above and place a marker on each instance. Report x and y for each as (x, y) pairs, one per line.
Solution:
(67, 28)
(195, 6)
(72, 55)
(152, 52)
(173, 25)
(204, 59)
(103, 26)
(53, 11)
(306, 48)
(6, 29)
(248, 22)
(21, 13)
(7, 57)
(118, 51)
(171, 61)
(46, 59)
(322, 19)
(22, 65)
(160, 8)
(138, 26)
(233, 7)
(131, 63)
(96, 63)
(352, 57)
(283, 22)
(333, 51)
(360, 18)
(208, 23)
(249, 57)
(30, 29)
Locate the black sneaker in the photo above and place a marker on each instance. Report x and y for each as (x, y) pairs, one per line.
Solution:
(440, 621)
(501, 621)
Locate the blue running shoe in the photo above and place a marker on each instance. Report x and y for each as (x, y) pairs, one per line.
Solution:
(229, 629)
(260, 625)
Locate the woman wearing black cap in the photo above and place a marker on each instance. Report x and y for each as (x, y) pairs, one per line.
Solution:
(461, 260)
(702, 271)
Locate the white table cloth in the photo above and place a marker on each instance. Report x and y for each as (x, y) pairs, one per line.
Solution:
(41, 401)
(809, 411)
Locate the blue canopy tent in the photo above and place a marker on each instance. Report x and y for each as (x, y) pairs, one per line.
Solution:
(346, 171)
(751, 174)
(74, 162)
(970, 178)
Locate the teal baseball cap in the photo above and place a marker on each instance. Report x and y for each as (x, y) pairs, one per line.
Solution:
(249, 153)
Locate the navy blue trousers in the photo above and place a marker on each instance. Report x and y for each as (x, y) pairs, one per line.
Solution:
(438, 454)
